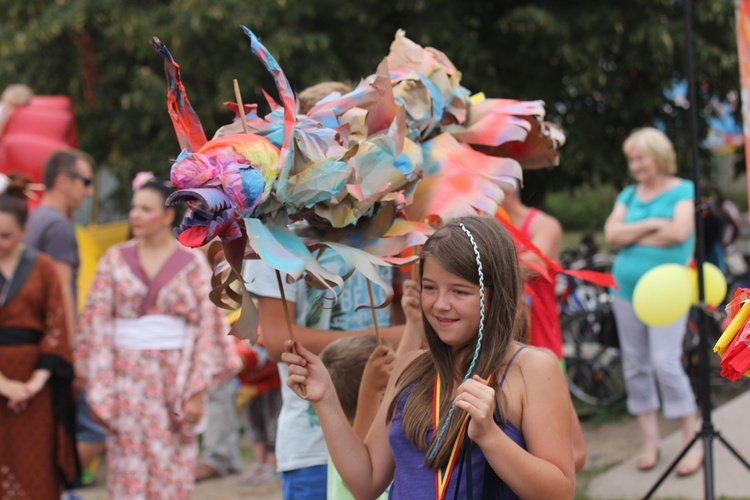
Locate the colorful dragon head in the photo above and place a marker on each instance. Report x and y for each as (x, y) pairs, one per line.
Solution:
(222, 180)
(221, 183)
(362, 171)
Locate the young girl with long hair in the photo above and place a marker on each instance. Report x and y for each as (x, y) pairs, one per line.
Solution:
(477, 415)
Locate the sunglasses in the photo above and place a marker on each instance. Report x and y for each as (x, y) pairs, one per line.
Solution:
(87, 181)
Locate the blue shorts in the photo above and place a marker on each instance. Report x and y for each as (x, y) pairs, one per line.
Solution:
(87, 430)
(307, 483)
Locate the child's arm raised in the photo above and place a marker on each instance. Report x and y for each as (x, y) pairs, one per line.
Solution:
(411, 303)
(374, 382)
(546, 468)
(366, 467)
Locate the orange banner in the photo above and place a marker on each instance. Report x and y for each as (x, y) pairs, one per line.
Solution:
(743, 51)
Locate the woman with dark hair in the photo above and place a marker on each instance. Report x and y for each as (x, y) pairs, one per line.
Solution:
(478, 414)
(37, 454)
(152, 345)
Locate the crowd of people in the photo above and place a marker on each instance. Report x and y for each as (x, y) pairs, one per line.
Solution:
(464, 396)
(135, 374)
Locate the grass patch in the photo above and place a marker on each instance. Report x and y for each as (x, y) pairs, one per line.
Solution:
(597, 415)
(738, 197)
(586, 475)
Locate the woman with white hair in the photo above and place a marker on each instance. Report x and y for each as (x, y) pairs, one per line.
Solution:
(652, 224)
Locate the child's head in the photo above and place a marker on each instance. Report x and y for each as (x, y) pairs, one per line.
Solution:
(345, 360)
(16, 94)
(310, 96)
(448, 254)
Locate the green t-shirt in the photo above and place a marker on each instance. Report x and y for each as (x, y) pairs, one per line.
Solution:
(337, 490)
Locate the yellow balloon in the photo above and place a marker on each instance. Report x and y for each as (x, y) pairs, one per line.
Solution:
(714, 284)
(663, 295)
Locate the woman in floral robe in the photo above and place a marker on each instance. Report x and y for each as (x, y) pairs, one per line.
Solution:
(152, 345)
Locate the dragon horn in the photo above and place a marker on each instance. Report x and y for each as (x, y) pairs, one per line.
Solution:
(186, 124)
(287, 101)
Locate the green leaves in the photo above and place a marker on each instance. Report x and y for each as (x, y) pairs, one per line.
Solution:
(601, 67)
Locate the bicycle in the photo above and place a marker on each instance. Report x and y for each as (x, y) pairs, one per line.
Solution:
(592, 355)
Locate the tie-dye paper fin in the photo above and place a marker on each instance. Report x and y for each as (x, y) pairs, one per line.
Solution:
(186, 124)
(360, 173)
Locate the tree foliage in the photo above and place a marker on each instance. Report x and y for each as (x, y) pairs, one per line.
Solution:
(601, 67)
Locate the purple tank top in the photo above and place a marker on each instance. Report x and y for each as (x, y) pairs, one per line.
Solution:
(412, 479)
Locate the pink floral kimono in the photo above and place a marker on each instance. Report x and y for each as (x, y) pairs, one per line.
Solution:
(145, 347)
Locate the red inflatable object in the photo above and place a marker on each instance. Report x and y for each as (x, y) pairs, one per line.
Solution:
(33, 132)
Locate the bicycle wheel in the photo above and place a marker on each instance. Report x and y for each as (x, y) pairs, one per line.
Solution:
(594, 369)
(597, 380)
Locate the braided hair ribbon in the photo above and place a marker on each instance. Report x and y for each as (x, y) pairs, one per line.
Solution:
(479, 339)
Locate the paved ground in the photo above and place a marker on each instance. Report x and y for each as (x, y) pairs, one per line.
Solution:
(731, 480)
(227, 488)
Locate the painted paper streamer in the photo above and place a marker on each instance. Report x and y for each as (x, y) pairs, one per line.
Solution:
(743, 52)
(246, 325)
(186, 124)
(316, 275)
(287, 100)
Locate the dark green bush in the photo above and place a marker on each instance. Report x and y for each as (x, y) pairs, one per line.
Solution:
(585, 208)
(738, 195)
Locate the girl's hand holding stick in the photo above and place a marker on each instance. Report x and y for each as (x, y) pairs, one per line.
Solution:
(308, 377)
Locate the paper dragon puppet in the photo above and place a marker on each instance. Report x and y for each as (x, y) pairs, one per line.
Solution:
(366, 174)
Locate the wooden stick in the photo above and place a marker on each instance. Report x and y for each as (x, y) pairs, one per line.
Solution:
(415, 266)
(289, 328)
(374, 313)
(240, 106)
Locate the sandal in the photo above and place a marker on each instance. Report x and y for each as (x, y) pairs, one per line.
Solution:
(248, 477)
(690, 464)
(648, 459)
(260, 474)
(203, 471)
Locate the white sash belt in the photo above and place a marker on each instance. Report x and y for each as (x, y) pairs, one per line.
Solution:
(150, 332)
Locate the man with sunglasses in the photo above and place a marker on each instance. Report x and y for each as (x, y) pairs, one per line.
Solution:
(68, 181)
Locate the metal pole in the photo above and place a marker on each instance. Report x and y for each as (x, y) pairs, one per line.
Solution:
(707, 432)
(704, 387)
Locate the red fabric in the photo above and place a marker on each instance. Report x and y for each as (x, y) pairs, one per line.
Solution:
(545, 319)
(522, 241)
(264, 379)
(736, 360)
(248, 356)
(540, 291)
(526, 224)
